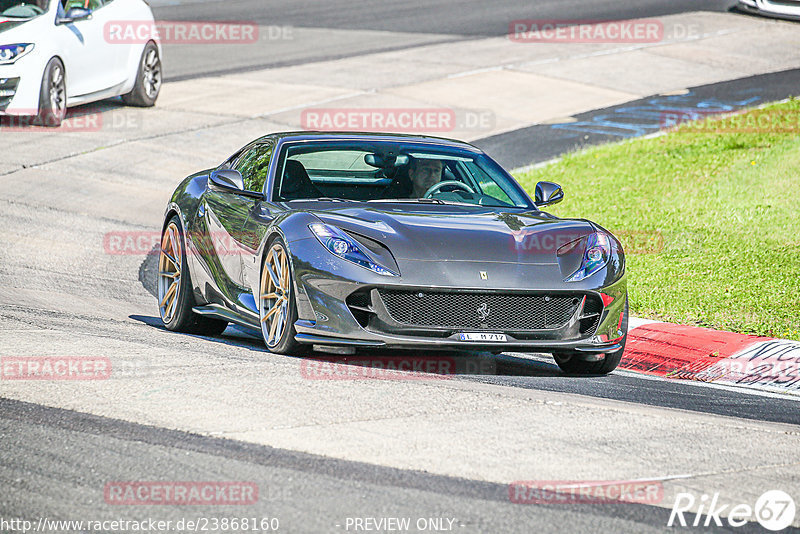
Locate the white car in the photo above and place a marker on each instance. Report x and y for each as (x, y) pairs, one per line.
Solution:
(785, 9)
(59, 53)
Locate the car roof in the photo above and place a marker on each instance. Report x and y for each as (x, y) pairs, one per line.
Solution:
(366, 136)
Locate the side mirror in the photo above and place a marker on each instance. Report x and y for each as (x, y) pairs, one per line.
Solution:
(75, 14)
(231, 180)
(228, 179)
(548, 193)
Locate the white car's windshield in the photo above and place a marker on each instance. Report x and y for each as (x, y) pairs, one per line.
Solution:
(14, 9)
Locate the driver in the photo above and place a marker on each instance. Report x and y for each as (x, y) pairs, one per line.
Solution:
(424, 174)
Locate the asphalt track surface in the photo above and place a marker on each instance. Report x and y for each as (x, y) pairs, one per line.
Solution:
(472, 18)
(342, 28)
(646, 116)
(308, 493)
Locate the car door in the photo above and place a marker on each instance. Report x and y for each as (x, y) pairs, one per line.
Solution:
(89, 59)
(116, 52)
(230, 244)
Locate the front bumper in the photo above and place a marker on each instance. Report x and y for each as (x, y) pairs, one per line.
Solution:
(8, 90)
(305, 335)
(366, 323)
(20, 85)
(339, 304)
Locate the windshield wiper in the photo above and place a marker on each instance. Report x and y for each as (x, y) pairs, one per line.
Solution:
(324, 199)
(410, 200)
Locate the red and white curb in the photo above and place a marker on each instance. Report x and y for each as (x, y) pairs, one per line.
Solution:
(679, 352)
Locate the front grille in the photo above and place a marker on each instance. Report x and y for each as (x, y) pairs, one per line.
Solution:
(479, 310)
(8, 88)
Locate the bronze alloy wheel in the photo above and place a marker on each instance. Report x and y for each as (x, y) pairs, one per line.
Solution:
(275, 295)
(169, 272)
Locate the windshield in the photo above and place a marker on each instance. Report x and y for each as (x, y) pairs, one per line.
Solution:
(14, 9)
(383, 170)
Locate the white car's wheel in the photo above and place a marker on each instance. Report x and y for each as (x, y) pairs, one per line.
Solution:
(52, 95)
(148, 79)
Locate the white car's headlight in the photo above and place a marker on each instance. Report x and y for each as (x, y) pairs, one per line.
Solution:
(12, 52)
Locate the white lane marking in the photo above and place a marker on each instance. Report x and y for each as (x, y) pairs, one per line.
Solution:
(774, 394)
(747, 390)
(635, 322)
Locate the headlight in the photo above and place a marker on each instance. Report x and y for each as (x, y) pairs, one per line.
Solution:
(10, 53)
(596, 254)
(342, 245)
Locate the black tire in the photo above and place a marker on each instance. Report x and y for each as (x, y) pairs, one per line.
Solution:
(285, 342)
(182, 318)
(52, 95)
(573, 364)
(148, 79)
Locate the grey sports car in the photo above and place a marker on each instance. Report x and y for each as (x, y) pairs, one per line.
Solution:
(345, 241)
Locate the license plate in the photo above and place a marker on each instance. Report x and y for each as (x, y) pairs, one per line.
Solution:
(483, 336)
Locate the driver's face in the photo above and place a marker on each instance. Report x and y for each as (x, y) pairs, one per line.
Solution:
(425, 174)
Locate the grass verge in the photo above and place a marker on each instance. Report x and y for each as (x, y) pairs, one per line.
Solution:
(709, 214)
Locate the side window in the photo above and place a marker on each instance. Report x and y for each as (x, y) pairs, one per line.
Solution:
(94, 5)
(254, 166)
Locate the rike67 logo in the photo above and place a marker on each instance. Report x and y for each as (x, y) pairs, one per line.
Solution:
(774, 510)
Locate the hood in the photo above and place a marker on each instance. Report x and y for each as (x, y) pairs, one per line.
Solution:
(14, 30)
(8, 24)
(459, 233)
(19, 30)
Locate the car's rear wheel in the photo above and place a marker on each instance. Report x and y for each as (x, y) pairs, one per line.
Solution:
(52, 95)
(148, 79)
(175, 297)
(576, 364)
(277, 309)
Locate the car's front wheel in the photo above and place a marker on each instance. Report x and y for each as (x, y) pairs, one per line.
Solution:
(576, 364)
(52, 95)
(277, 309)
(148, 79)
(175, 298)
